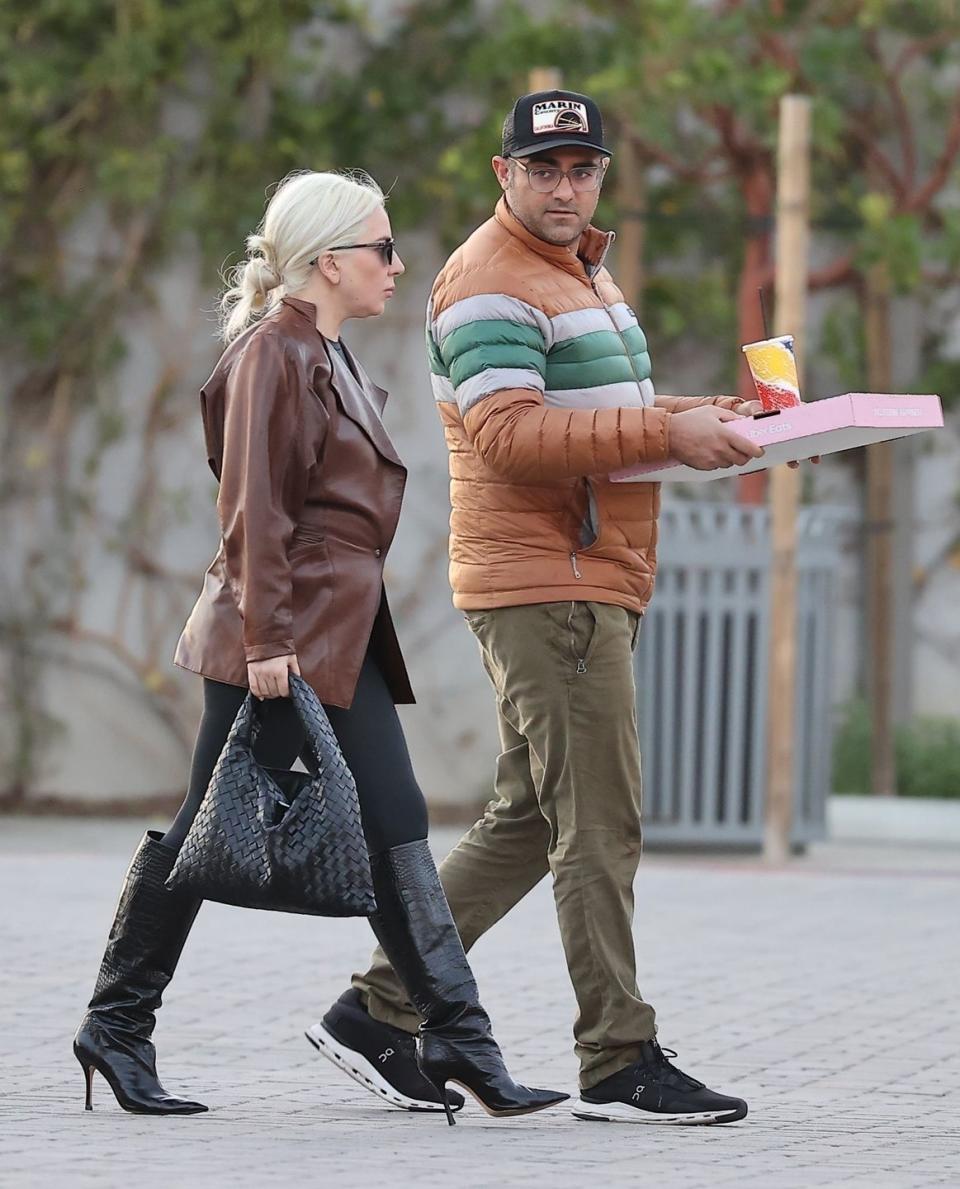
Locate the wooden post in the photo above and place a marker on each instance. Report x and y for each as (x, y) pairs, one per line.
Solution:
(545, 78)
(631, 225)
(792, 264)
(880, 521)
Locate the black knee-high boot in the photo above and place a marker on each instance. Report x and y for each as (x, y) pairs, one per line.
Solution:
(418, 935)
(147, 937)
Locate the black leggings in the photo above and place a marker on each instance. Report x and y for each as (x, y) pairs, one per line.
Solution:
(371, 739)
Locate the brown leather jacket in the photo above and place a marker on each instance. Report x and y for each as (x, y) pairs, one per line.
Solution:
(309, 499)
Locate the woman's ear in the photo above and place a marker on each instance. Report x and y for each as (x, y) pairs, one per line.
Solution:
(329, 268)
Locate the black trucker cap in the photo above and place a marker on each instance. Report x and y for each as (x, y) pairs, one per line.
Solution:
(548, 119)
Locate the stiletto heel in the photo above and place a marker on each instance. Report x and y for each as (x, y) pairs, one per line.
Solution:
(147, 935)
(455, 1042)
(446, 1104)
(444, 1095)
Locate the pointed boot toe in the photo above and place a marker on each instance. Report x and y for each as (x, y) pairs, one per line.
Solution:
(148, 934)
(540, 1100)
(504, 1100)
(455, 1043)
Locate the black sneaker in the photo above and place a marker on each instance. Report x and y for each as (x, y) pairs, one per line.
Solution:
(381, 1058)
(654, 1091)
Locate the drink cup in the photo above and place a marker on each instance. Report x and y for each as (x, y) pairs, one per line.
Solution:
(773, 366)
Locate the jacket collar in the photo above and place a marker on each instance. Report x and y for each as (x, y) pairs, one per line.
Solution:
(305, 308)
(355, 393)
(583, 259)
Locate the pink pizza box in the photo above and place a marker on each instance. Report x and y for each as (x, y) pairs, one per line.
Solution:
(821, 427)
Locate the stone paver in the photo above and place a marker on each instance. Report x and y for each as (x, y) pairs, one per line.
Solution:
(825, 993)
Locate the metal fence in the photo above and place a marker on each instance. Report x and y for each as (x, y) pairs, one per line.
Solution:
(701, 668)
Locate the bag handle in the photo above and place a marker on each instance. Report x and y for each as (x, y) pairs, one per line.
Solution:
(314, 720)
(310, 711)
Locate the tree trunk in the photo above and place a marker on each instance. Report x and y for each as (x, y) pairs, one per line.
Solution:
(879, 525)
(793, 257)
(758, 191)
(631, 225)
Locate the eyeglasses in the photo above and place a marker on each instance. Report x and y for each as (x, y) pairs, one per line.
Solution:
(544, 179)
(383, 246)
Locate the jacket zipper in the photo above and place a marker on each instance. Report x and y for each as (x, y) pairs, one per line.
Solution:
(623, 341)
(637, 378)
(593, 286)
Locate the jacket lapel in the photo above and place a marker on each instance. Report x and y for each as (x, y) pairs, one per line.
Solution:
(373, 392)
(362, 401)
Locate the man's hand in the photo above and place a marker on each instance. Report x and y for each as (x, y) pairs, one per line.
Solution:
(270, 679)
(750, 408)
(703, 439)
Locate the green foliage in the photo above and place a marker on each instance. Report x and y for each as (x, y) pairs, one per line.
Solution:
(93, 92)
(895, 239)
(699, 85)
(927, 755)
(842, 340)
(941, 375)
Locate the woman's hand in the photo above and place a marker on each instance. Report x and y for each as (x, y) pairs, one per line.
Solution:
(270, 679)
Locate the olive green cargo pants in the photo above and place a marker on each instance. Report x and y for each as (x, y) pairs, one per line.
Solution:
(567, 801)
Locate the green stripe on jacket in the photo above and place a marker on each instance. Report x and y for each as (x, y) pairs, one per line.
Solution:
(588, 360)
(437, 366)
(491, 343)
(599, 344)
(611, 370)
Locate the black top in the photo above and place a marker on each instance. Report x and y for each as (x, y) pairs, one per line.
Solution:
(338, 347)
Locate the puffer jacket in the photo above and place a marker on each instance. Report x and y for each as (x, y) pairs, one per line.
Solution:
(543, 383)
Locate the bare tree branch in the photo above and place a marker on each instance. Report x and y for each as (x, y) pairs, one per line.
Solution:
(940, 173)
(841, 272)
(865, 134)
(921, 47)
(898, 104)
(695, 172)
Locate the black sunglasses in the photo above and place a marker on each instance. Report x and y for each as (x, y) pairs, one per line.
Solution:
(383, 246)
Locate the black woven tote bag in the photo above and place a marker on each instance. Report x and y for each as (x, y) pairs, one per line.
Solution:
(286, 841)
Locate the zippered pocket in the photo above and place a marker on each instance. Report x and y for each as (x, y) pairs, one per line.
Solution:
(580, 647)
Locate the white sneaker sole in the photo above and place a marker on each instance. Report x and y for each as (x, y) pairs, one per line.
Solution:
(620, 1112)
(355, 1065)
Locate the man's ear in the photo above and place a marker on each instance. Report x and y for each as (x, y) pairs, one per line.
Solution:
(501, 167)
(329, 267)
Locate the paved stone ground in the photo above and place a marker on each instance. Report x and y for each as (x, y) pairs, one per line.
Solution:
(825, 993)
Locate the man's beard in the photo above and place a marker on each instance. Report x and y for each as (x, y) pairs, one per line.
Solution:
(559, 237)
(563, 242)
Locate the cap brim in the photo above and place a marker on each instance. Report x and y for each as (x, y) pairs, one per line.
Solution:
(558, 142)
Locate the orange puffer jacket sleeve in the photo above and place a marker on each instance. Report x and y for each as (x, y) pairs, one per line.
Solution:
(682, 404)
(518, 437)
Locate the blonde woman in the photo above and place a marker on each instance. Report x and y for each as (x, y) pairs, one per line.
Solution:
(310, 489)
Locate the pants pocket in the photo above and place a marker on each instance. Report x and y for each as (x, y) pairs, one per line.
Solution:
(584, 629)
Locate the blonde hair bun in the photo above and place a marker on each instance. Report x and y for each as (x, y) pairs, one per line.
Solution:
(308, 213)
